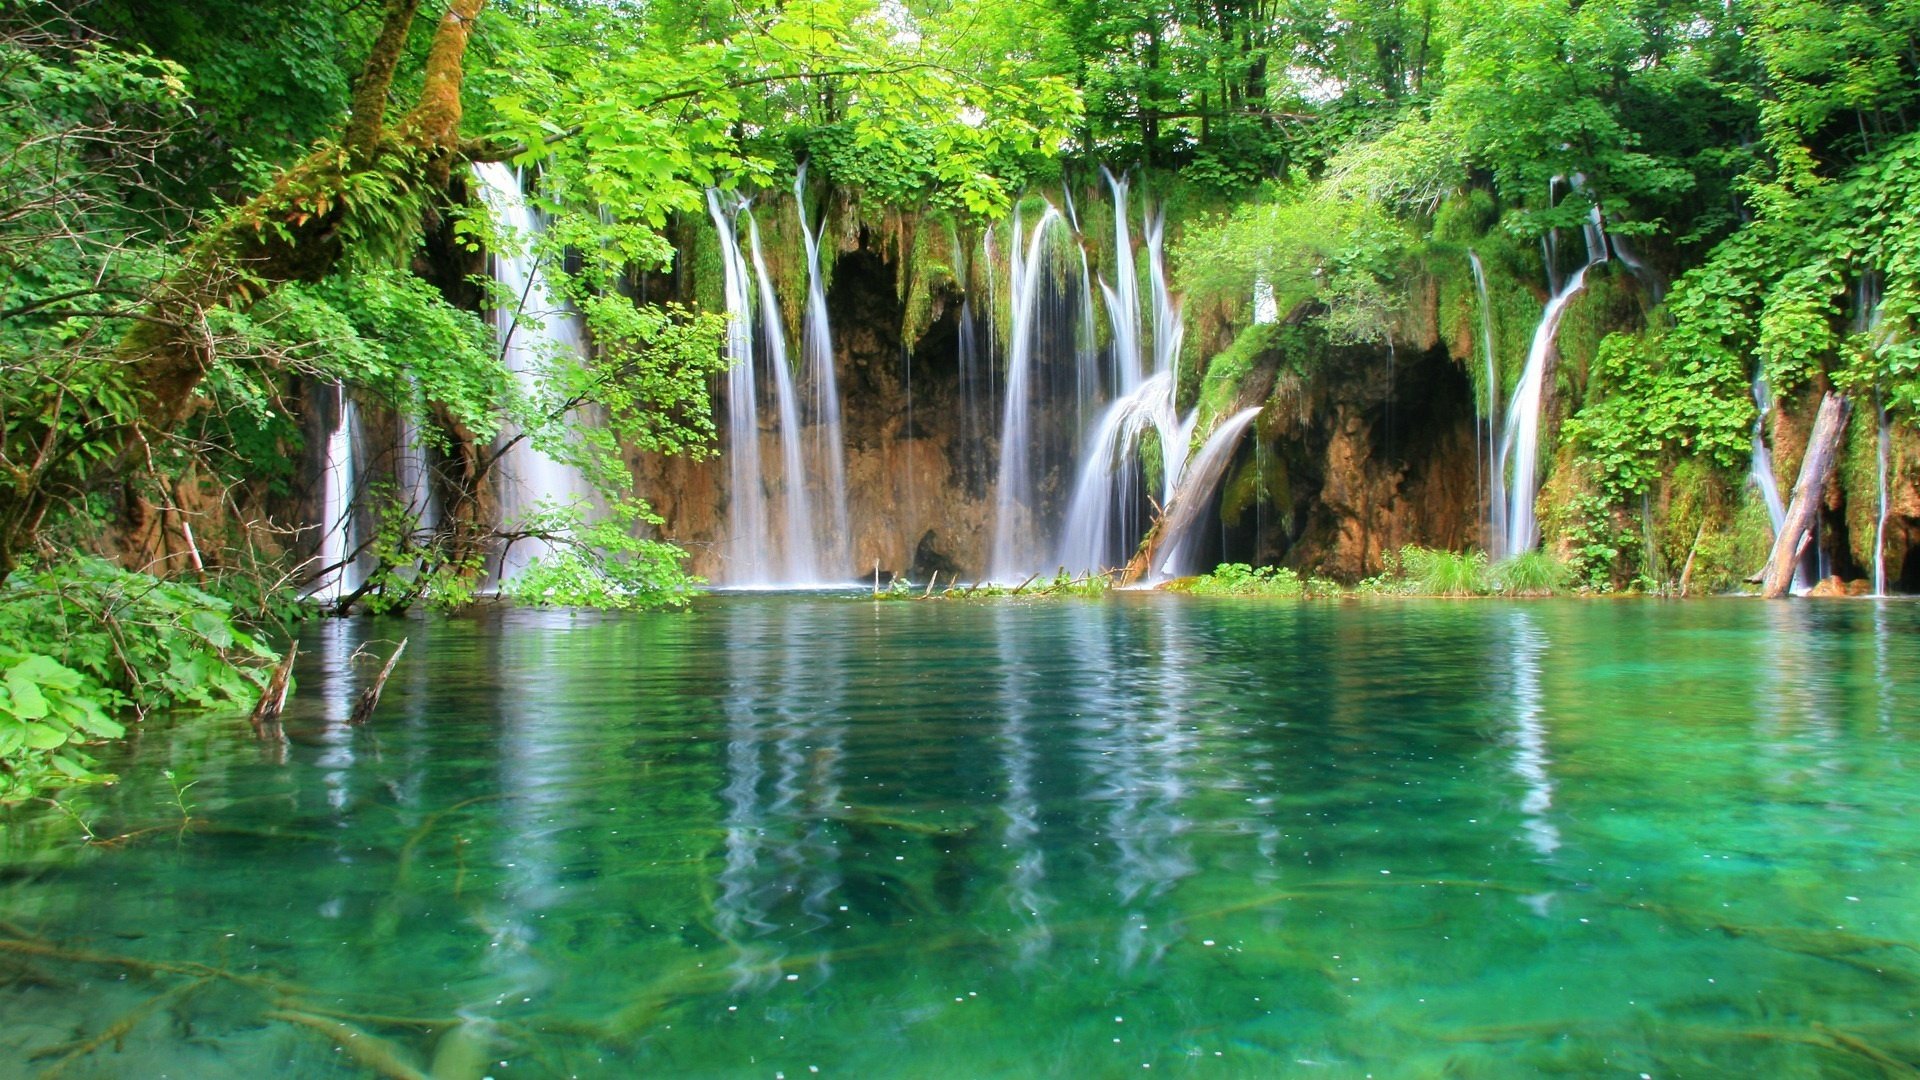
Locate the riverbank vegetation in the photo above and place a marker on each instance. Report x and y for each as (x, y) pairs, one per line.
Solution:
(226, 225)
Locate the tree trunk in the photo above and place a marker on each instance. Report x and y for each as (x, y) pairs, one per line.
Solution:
(293, 231)
(1823, 453)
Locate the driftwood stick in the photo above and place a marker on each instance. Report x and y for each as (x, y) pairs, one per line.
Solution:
(1686, 572)
(266, 714)
(930, 584)
(374, 1052)
(370, 700)
(1022, 586)
(114, 1033)
(1823, 453)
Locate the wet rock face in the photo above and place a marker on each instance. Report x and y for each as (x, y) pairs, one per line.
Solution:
(1357, 461)
(912, 461)
(1366, 455)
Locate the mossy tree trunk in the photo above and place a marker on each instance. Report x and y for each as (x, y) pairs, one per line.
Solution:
(369, 187)
(1823, 453)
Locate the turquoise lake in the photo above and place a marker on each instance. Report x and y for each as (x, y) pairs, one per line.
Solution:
(797, 835)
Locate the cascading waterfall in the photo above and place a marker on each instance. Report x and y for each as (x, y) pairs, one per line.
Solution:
(1880, 523)
(536, 332)
(802, 543)
(746, 509)
(1496, 519)
(1520, 441)
(1761, 469)
(339, 536)
(760, 555)
(830, 448)
(1202, 476)
(1109, 477)
(1014, 526)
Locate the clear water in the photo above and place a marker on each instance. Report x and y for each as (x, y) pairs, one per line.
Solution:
(1143, 834)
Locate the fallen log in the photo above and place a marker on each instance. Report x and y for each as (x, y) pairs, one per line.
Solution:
(1823, 453)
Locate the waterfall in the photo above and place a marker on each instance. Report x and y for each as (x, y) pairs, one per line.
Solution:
(801, 543)
(1650, 278)
(1088, 386)
(746, 509)
(536, 332)
(1123, 299)
(1167, 327)
(339, 534)
(1109, 475)
(1197, 484)
(1014, 524)
(1880, 523)
(1266, 309)
(1520, 442)
(830, 449)
(412, 473)
(1496, 519)
(1761, 469)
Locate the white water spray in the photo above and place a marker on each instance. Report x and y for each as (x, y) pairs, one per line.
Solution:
(536, 333)
(830, 449)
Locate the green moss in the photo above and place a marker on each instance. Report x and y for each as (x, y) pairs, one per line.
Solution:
(1220, 385)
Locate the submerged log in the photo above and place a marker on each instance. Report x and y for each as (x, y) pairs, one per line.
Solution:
(373, 1052)
(1823, 453)
(266, 714)
(370, 700)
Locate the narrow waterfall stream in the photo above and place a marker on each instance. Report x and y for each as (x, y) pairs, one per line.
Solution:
(802, 544)
(1495, 519)
(1015, 535)
(829, 442)
(1520, 443)
(536, 331)
(339, 535)
(776, 538)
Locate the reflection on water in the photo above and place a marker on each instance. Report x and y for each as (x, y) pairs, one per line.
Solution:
(1530, 734)
(778, 833)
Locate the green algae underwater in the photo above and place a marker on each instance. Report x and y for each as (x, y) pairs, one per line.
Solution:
(797, 835)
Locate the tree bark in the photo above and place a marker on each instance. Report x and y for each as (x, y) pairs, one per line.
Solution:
(294, 231)
(1823, 453)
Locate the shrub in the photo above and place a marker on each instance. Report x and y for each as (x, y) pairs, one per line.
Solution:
(1239, 579)
(1532, 573)
(1432, 572)
(86, 641)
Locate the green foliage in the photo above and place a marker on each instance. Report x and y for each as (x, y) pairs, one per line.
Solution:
(1530, 573)
(1239, 579)
(1432, 572)
(1345, 253)
(87, 641)
(1646, 404)
(1423, 571)
(596, 561)
(1598, 544)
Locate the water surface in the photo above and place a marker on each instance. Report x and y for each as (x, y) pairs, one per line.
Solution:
(781, 834)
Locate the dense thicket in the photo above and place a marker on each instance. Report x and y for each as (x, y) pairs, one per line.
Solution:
(208, 209)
